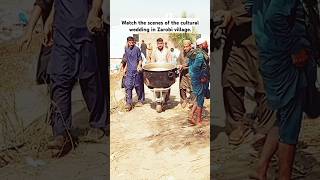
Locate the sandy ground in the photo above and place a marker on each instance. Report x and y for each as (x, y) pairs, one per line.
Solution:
(150, 145)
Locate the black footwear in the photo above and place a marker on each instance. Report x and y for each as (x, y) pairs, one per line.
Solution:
(128, 107)
(94, 135)
(139, 104)
(58, 142)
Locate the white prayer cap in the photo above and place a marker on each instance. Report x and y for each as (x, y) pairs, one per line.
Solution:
(200, 41)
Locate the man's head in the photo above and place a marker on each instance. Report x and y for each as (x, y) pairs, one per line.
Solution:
(130, 41)
(187, 46)
(202, 43)
(160, 43)
(142, 41)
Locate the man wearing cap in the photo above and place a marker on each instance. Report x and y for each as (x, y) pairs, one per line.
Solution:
(184, 80)
(198, 59)
(240, 70)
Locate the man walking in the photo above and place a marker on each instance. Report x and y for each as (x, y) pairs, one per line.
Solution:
(74, 57)
(184, 78)
(134, 75)
(198, 58)
(285, 53)
(162, 55)
(240, 70)
(143, 48)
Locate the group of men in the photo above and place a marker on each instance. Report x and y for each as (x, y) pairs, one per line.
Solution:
(267, 49)
(74, 49)
(194, 78)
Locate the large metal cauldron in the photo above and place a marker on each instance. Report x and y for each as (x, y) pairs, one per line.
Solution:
(159, 75)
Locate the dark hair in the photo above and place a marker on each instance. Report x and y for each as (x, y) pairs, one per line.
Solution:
(159, 40)
(130, 38)
(142, 40)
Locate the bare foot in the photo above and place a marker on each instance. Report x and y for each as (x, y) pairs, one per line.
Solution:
(258, 174)
(191, 119)
(199, 122)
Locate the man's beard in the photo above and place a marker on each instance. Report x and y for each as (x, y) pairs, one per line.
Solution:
(160, 48)
(205, 50)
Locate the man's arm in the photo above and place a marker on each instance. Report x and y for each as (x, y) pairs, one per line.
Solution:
(93, 21)
(279, 27)
(183, 64)
(153, 56)
(241, 14)
(139, 68)
(47, 30)
(169, 56)
(237, 16)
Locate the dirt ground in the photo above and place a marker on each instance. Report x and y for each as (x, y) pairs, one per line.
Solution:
(24, 130)
(144, 144)
(150, 145)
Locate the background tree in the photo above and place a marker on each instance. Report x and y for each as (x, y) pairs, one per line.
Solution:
(177, 38)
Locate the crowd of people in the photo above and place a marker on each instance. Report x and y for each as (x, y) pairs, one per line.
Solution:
(269, 50)
(192, 63)
(74, 49)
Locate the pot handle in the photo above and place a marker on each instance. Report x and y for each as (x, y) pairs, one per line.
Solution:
(171, 75)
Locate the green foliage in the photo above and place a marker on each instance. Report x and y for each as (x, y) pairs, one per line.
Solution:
(178, 38)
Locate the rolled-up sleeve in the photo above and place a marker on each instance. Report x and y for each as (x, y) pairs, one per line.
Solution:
(241, 15)
(198, 62)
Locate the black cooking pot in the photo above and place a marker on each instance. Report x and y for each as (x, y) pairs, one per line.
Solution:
(159, 75)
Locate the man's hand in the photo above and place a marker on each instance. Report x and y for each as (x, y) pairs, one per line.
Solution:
(122, 72)
(47, 34)
(301, 58)
(139, 68)
(94, 23)
(228, 21)
(48, 29)
(204, 80)
(25, 40)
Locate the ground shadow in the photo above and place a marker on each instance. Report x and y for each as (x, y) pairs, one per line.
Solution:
(170, 105)
(215, 131)
(177, 133)
(67, 147)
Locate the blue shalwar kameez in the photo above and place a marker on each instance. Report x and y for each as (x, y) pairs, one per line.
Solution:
(279, 28)
(134, 79)
(195, 70)
(74, 57)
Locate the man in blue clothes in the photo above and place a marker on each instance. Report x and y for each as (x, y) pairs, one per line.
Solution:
(74, 57)
(134, 75)
(285, 53)
(199, 79)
